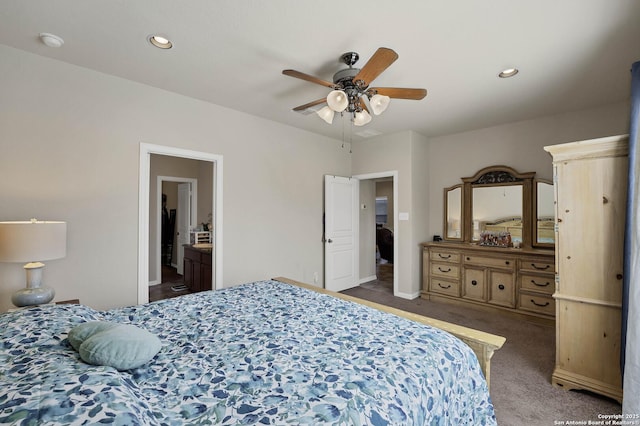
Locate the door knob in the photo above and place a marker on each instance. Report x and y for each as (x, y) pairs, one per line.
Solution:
(329, 240)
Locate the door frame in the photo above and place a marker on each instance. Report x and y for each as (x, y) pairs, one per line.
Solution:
(193, 218)
(396, 229)
(144, 177)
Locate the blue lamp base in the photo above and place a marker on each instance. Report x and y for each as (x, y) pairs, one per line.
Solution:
(36, 293)
(33, 296)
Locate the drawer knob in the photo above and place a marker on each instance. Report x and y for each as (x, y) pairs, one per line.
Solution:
(539, 284)
(506, 262)
(444, 257)
(540, 268)
(443, 270)
(444, 287)
(542, 305)
(501, 286)
(474, 282)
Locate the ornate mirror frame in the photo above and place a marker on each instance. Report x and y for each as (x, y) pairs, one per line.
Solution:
(499, 176)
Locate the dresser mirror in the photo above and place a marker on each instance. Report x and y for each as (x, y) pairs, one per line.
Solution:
(497, 209)
(498, 200)
(543, 232)
(453, 213)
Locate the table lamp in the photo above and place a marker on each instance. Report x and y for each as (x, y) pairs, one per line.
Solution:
(32, 242)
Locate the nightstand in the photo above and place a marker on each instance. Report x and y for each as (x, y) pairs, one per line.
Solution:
(62, 302)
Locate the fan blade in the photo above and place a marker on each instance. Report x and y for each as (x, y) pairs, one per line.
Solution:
(310, 104)
(400, 93)
(379, 62)
(307, 77)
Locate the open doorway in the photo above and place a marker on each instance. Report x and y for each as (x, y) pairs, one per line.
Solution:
(150, 213)
(378, 230)
(177, 213)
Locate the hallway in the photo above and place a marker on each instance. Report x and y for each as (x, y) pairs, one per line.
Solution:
(384, 281)
(170, 278)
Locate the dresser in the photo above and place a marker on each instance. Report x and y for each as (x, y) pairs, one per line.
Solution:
(519, 281)
(197, 268)
(590, 180)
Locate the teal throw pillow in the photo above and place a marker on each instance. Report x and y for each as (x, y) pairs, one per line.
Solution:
(121, 346)
(82, 332)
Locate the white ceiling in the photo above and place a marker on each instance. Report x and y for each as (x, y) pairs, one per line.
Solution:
(572, 54)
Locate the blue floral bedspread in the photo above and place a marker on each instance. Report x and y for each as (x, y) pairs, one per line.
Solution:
(260, 353)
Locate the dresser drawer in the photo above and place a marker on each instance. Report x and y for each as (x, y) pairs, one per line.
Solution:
(473, 285)
(538, 303)
(541, 283)
(497, 262)
(502, 289)
(451, 288)
(444, 256)
(537, 265)
(447, 270)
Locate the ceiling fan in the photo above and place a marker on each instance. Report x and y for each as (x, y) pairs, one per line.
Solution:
(351, 87)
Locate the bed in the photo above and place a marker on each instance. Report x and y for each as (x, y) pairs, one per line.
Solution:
(513, 225)
(269, 352)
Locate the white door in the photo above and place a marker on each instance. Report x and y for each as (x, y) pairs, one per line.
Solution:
(183, 222)
(341, 232)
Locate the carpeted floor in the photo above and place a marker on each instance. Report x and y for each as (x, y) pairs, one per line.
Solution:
(521, 388)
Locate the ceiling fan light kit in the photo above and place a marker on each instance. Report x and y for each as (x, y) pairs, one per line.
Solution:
(337, 100)
(350, 88)
(361, 118)
(379, 103)
(326, 114)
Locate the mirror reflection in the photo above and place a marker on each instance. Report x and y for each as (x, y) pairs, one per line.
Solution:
(545, 216)
(501, 207)
(453, 218)
(497, 209)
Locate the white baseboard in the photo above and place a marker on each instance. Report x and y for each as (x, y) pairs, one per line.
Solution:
(154, 282)
(409, 296)
(367, 279)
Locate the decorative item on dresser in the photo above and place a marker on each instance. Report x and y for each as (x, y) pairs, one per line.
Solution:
(497, 252)
(590, 189)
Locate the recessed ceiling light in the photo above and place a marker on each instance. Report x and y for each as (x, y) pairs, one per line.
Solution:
(508, 72)
(160, 42)
(51, 40)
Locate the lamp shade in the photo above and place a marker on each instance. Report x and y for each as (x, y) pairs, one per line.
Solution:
(337, 100)
(30, 241)
(379, 103)
(361, 118)
(326, 114)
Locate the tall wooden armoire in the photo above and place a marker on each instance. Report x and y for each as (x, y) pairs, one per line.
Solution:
(590, 180)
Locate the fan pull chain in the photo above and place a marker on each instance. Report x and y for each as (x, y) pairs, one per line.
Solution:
(342, 118)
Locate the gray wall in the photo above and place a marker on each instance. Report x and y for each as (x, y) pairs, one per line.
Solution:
(517, 145)
(70, 140)
(69, 143)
